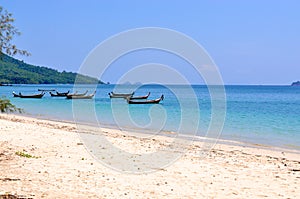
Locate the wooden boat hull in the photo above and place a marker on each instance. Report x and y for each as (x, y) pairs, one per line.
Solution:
(66, 93)
(46, 90)
(55, 95)
(32, 96)
(15, 94)
(81, 97)
(140, 97)
(156, 101)
(141, 102)
(120, 95)
(59, 94)
(75, 94)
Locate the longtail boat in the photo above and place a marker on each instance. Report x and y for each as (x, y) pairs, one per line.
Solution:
(59, 94)
(77, 94)
(81, 97)
(155, 101)
(120, 95)
(46, 90)
(16, 95)
(32, 96)
(140, 97)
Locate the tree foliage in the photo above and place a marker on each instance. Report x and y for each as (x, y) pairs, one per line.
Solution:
(13, 71)
(7, 32)
(6, 106)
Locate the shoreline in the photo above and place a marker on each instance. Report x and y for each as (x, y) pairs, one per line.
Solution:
(229, 141)
(265, 129)
(61, 166)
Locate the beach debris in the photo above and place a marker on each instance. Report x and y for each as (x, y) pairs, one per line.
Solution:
(9, 179)
(8, 195)
(295, 170)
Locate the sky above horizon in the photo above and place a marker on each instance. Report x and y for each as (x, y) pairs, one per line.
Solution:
(251, 42)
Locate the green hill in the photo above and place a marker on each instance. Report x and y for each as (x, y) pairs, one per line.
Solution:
(13, 71)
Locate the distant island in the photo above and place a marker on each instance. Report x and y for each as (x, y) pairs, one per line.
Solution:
(13, 71)
(296, 83)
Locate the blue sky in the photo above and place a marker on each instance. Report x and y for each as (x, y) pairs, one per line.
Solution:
(252, 42)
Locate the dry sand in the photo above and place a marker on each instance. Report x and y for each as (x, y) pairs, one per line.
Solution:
(63, 168)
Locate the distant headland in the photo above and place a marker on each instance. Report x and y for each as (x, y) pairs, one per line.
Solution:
(296, 83)
(13, 71)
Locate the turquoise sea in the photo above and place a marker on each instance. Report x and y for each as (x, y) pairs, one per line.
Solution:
(268, 115)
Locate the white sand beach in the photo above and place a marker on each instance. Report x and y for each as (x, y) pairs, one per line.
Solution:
(61, 167)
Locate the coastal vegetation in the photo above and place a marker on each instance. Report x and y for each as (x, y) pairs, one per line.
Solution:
(25, 155)
(6, 106)
(7, 33)
(13, 71)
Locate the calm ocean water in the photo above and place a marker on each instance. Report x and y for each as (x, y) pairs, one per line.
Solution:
(256, 114)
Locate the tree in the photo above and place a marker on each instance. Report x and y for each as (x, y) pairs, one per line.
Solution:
(7, 32)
